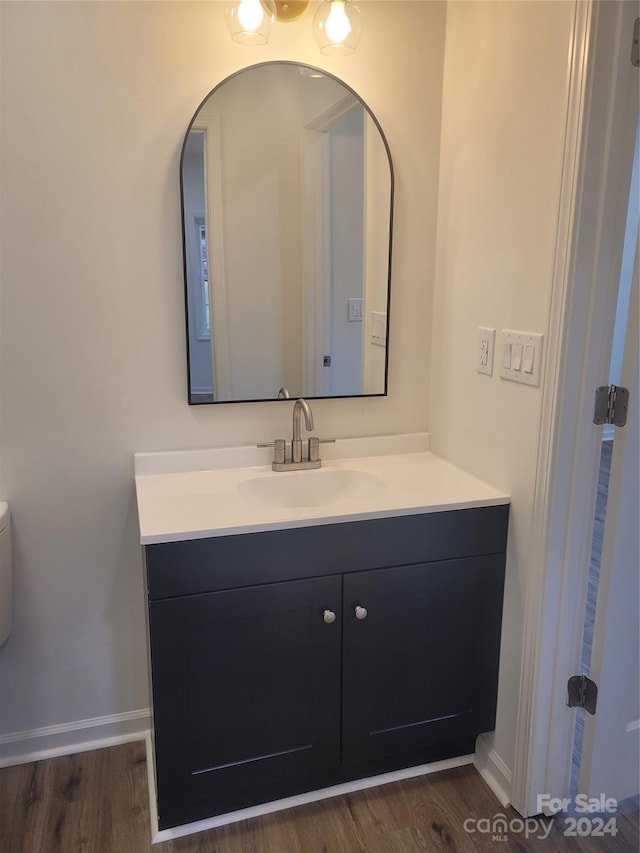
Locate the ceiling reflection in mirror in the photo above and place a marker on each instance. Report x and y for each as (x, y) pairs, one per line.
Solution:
(287, 190)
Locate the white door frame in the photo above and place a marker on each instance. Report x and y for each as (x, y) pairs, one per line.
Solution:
(583, 303)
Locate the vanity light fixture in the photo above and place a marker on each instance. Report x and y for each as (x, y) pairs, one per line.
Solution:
(290, 10)
(336, 24)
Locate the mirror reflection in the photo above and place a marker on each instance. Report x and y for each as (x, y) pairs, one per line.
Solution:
(287, 192)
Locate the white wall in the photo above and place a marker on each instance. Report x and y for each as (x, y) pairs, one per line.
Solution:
(261, 200)
(503, 125)
(96, 99)
(376, 219)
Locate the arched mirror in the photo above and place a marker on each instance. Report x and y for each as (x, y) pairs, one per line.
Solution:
(287, 189)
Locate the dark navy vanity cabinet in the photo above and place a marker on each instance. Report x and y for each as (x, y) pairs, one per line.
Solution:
(292, 660)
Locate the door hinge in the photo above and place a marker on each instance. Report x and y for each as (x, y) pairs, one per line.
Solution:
(635, 44)
(612, 402)
(326, 361)
(583, 693)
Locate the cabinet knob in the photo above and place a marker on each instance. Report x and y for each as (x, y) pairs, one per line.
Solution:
(329, 616)
(361, 612)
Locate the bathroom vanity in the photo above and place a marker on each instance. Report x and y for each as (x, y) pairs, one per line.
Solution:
(318, 634)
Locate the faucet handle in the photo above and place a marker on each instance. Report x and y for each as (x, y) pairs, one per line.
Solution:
(280, 449)
(314, 449)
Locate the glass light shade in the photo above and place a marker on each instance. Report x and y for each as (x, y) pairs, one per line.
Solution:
(337, 27)
(250, 21)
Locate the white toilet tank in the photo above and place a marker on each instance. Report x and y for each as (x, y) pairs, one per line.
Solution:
(5, 572)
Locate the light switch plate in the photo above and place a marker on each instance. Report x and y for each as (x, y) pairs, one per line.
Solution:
(379, 328)
(486, 341)
(355, 310)
(530, 363)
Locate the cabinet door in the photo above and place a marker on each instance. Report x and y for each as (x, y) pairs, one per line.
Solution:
(420, 669)
(246, 693)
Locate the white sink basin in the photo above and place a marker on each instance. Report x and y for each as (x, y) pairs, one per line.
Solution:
(195, 494)
(323, 487)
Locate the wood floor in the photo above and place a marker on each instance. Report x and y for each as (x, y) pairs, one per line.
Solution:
(97, 802)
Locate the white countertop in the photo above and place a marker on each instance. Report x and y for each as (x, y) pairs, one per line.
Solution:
(198, 494)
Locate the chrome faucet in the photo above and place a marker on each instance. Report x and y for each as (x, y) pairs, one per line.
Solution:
(302, 454)
(296, 442)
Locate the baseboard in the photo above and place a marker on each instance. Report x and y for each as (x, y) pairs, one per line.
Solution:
(158, 836)
(78, 736)
(493, 770)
